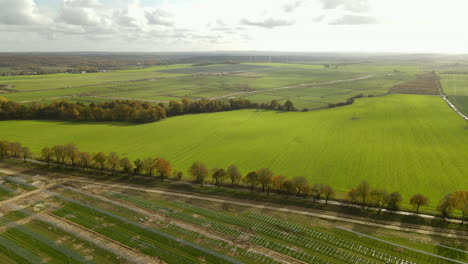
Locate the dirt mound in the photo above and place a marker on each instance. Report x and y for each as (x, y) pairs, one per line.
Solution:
(427, 83)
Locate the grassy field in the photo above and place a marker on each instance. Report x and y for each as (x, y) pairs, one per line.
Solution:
(456, 88)
(407, 143)
(165, 83)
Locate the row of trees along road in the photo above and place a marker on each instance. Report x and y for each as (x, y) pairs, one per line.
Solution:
(126, 110)
(364, 195)
(264, 179)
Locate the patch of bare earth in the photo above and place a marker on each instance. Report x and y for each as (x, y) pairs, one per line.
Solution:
(427, 83)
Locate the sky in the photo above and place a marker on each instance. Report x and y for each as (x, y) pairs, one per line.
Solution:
(419, 26)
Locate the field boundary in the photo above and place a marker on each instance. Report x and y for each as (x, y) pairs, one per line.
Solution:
(340, 203)
(454, 107)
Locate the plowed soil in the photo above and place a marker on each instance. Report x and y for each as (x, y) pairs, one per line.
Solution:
(427, 83)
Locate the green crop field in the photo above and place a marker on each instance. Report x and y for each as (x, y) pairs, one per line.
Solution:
(407, 143)
(456, 88)
(165, 83)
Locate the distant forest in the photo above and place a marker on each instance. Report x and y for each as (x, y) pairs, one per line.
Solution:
(126, 111)
(47, 63)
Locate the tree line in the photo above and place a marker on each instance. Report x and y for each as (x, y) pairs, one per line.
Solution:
(364, 195)
(348, 101)
(262, 180)
(126, 110)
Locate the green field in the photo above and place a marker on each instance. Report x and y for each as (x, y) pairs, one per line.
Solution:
(456, 88)
(407, 143)
(173, 82)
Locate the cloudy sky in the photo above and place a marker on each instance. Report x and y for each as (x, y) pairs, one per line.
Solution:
(206, 25)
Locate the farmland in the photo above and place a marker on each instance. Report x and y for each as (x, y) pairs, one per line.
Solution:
(400, 136)
(407, 143)
(307, 85)
(79, 221)
(455, 87)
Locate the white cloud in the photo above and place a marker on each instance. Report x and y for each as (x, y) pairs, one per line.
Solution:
(355, 20)
(159, 17)
(297, 25)
(80, 16)
(123, 18)
(268, 23)
(290, 7)
(20, 12)
(82, 3)
(349, 5)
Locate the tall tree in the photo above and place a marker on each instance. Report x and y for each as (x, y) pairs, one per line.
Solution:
(71, 151)
(288, 105)
(218, 175)
(100, 158)
(265, 176)
(352, 196)
(59, 153)
(274, 104)
(199, 171)
(459, 201)
(234, 174)
(301, 184)
(149, 165)
(328, 192)
(444, 207)
(394, 201)
(164, 168)
(317, 190)
(379, 198)
(278, 182)
(126, 165)
(363, 190)
(85, 160)
(46, 154)
(289, 187)
(138, 166)
(113, 160)
(4, 148)
(15, 149)
(25, 153)
(251, 179)
(419, 200)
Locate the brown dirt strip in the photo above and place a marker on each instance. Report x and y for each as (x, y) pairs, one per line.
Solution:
(22, 221)
(427, 84)
(26, 194)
